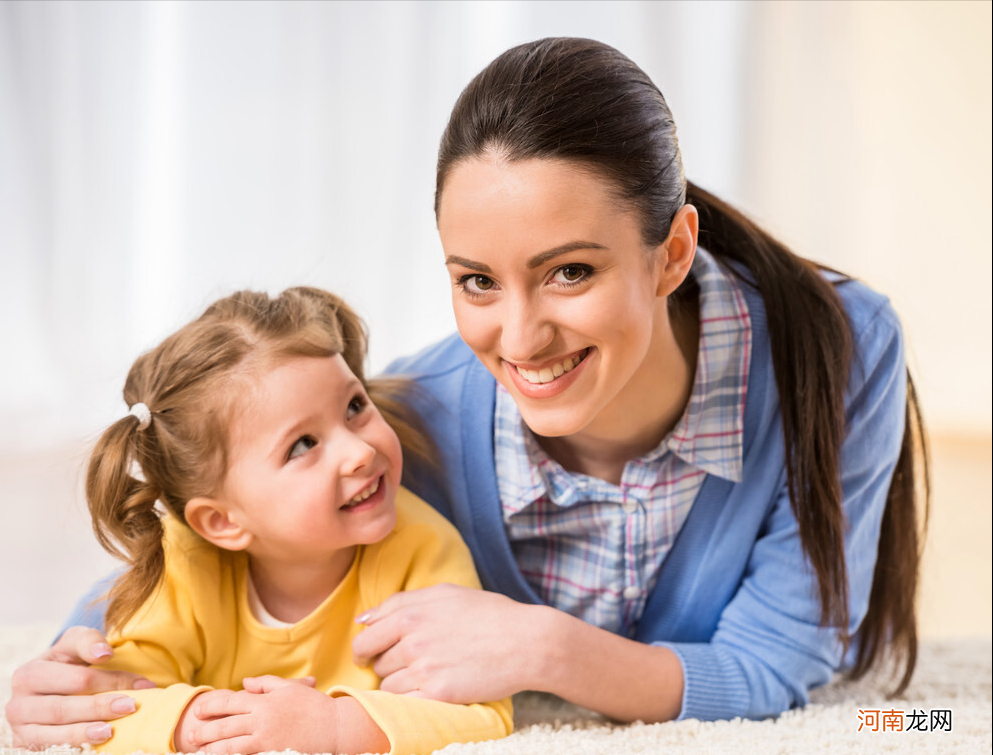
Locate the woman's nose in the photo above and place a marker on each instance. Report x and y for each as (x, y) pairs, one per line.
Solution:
(525, 331)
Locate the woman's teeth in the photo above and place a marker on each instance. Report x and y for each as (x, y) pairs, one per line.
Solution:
(548, 374)
(365, 493)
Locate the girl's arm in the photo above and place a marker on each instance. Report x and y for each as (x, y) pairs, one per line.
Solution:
(272, 713)
(275, 713)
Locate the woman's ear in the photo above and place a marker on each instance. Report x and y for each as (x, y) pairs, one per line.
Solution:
(209, 518)
(676, 254)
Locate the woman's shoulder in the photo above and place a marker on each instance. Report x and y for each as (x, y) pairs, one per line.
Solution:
(442, 358)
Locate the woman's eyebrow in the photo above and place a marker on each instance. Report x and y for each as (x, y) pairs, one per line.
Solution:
(537, 261)
(479, 267)
(541, 258)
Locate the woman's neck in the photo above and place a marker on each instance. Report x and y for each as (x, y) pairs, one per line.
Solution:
(646, 410)
(292, 591)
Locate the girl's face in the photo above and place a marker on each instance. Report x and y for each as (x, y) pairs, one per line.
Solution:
(313, 466)
(556, 293)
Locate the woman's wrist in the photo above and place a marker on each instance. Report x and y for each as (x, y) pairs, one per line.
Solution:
(545, 655)
(596, 669)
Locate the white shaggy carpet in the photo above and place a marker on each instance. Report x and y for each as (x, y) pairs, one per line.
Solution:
(951, 675)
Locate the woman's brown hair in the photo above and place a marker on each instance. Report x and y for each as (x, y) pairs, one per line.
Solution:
(583, 101)
(186, 382)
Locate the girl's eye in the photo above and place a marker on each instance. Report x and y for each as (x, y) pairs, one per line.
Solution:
(476, 284)
(572, 274)
(356, 405)
(301, 447)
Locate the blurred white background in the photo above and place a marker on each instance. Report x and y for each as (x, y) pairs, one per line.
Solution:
(157, 155)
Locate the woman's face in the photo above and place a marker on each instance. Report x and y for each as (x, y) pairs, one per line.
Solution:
(555, 292)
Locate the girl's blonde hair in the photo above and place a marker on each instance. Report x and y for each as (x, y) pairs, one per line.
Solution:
(186, 382)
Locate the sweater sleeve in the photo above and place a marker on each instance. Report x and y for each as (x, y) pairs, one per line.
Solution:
(427, 551)
(149, 644)
(417, 726)
(769, 647)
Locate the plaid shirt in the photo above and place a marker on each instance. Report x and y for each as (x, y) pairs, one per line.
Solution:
(592, 548)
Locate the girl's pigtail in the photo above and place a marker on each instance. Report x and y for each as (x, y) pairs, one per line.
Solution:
(125, 520)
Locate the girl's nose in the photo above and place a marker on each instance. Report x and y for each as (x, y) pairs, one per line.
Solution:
(355, 454)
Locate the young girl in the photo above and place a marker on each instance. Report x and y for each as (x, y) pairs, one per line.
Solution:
(283, 522)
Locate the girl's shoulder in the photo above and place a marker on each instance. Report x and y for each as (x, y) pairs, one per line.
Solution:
(423, 549)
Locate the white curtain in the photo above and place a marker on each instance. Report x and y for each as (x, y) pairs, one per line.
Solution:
(157, 155)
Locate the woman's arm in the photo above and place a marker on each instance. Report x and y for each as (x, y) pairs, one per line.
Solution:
(459, 645)
(768, 647)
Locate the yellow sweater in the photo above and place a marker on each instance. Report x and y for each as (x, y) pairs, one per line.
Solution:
(197, 631)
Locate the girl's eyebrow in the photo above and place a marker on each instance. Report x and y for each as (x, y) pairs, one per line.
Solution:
(290, 432)
(537, 261)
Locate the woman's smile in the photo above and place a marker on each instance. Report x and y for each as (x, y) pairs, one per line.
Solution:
(550, 379)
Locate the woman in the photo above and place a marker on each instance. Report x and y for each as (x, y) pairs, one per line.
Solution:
(685, 473)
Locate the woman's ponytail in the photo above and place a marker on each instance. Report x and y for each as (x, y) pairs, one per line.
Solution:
(125, 520)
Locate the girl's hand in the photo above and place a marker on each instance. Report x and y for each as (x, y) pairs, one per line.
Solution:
(453, 643)
(42, 710)
(276, 714)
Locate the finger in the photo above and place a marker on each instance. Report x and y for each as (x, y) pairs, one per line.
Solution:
(43, 677)
(375, 640)
(220, 729)
(68, 709)
(400, 600)
(270, 683)
(80, 645)
(243, 745)
(402, 682)
(36, 737)
(211, 706)
(390, 662)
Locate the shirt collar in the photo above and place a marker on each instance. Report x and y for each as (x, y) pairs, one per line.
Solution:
(709, 435)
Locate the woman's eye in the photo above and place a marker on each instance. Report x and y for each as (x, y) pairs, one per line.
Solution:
(356, 405)
(570, 274)
(301, 447)
(476, 284)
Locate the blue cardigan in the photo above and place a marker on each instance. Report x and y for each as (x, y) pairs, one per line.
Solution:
(735, 599)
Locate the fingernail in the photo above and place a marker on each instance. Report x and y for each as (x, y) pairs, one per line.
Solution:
(98, 733)
(123, 704)
(363, 617)
(101, 650)
(143, 684)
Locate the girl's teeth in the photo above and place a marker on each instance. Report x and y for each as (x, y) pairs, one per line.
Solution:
(365, 493)
(548, 374)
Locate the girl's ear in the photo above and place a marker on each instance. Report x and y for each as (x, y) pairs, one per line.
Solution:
(209, 518)
(678, 250)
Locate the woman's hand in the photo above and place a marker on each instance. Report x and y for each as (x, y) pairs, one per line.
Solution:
(42, 710)
(272, 713)
(453, 643)
(462, 645)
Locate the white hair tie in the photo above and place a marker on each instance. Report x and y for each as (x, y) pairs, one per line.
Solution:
(143, 413)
